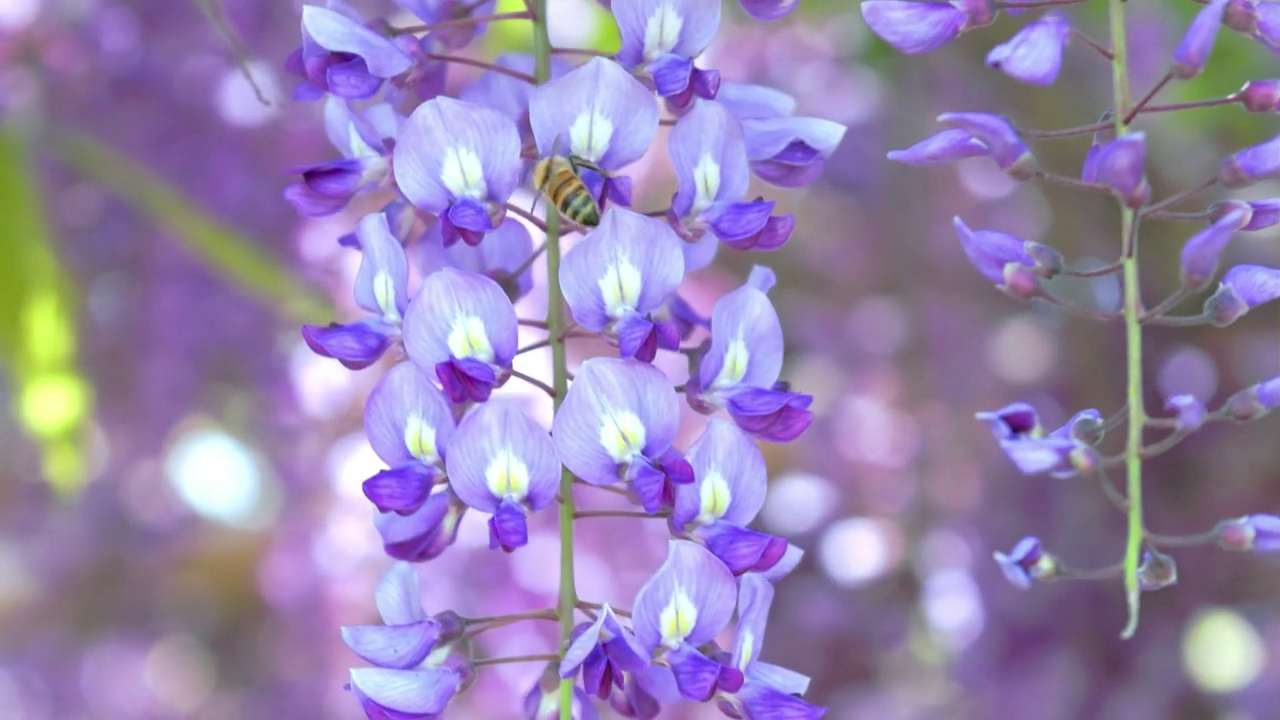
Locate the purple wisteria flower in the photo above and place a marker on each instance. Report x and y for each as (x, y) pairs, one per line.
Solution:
(1034, 55)
(339, 55)
(604, 651)
(768, 691)
(1250, 165)
(413, 679)
(462, 327)
(424, 533)
(1263, 214)
(1119, 165)
(730, 482)
(365, 140)
(739, 372)
(598, 113)
(1200, 254)
(1243, 288)
(1063, 453)
(919, 27)
(381, 289)
(460, 161)
(503, 252)
(783, 149)
(686, 603)
(1193, 52)
(943, 148)
(1190, 412)
(617, 422)
(408, 423)
(1011, 263)
(665, 36)
(510, 95)
(619, 275)
(1026, 562)
(1254, 401)
(710, 162)
(1251, 533)
(503, 463)
(1001, 139)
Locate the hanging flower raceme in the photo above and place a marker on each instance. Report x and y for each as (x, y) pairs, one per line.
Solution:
(600, 114)
(665, 36)
(710, 162)
(339, 55)
(460, 161)
(408, 423)
(783, 149)
(1034, 55)
(730, 482)
(603, 651)
(503, 253)
(619, 276)
(739, 372)
(365, 140)
(416, 675)
(462, 327)
(768, 691)
(1063, 453)
(381, 289)
(617, 422)
(503, 463)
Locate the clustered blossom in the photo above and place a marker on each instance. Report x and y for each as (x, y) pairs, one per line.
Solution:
(1115, 164)
(443, 262)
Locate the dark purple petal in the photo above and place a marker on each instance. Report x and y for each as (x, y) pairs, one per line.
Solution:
(651, 487)
(637, 337)
(671, 74)
(762, 702)
(351, 80)
(706, 83)
(424, 534)
(914, 27)
(695, 673)
(990, 251)
(507, 528)
(401, 490)
(393, 646)
(356, 345)
(742, 549)
(466, 380)
(1013, 422)
(1120, 166)
(309, 203)
(773, 415)
(1196, 45)
(943, 148)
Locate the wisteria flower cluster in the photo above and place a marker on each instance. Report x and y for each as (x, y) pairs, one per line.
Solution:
(1113, 165)
(442, 265)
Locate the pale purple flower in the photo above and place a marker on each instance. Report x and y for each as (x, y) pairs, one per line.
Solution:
(1034, 55)
(1009, 262)
(1015, 421)
(460, 161)
(665, 36)
(1063, 453)
(1250, 165)
(1001, 139)
(1243, 288)
(1200, 254)
(1255, 533)
(504, 250)
(408, 423)
(503, 463)
(710, 161)
(461, 327)
(1119, 165)
(1190, 411)
(1262, 213)
(381, 289)
(1026, 562)
(914, 27)
(1191, 54)
(365, 140)
(1254, 401)
(603, 650)
(619, 276)
(424, 533)
(739, 372)
(783, 149)
(418, 694)
(686, 603)
(339, 55)
(943, 148)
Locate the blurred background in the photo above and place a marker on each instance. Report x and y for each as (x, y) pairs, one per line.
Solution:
(181, 524)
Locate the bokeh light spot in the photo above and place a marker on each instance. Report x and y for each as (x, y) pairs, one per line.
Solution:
(857, 550)
(1221, 651)
(219, 478)
(953, 607)
(1189, 370)
(237, 100)
(1021, 350)
(180, 673)
(798, 502)
(17, 14)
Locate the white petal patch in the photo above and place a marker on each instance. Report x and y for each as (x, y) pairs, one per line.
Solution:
(590, 134)
(706, 178)
(716, 497)
(620, 287)
(622, 435)
(735, 365)
(384, 290)
(468, 339)
(677, 619)
(462, 173)
(420, 439)
(662, 32)
(507, 476)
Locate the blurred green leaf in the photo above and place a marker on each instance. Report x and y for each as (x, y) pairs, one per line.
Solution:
(242, 261)
(53, 400)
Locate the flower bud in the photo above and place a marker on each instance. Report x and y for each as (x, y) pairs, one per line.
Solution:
(1262, 213)
(1190, 411)
(1192, 53)
(1242, 16)
(1243, 288)
(943, 148)
(1251, 533)
(1009, 152)
(1048, 262)
(1200, 254)
(1119, 166)
(1026, 562)
(1157, 571)
(1251, 164)
(1254, 402)
(1260, 95)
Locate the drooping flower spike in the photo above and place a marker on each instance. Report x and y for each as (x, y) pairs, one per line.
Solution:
(913, 27)
(619, 276)
(504, 251)
(783, 149)
(598, 113)
(730, 482)
(1034, 55)
(768, 691)
(462, 328)
(739, 372)
(686, 603)
(365, 140)
(381, 289)
(603, 650)
(617, 422)
(460, 161)
(503, 463)
(710, 162)
(339, 55)
(665, 36)
(408, 423)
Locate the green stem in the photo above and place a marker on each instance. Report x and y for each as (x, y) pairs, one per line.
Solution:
(1132, 311)
(568, 598)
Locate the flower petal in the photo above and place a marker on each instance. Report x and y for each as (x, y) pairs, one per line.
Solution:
(449, 149)
(460, 315)
(597, 112)
(688, 600)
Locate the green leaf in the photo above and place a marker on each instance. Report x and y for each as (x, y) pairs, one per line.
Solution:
(53, 400)
(243, 262)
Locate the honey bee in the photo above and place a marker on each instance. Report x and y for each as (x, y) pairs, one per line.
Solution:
(557, 178)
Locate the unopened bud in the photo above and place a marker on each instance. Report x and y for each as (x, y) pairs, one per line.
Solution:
(1157, 571)
(1260, 95)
